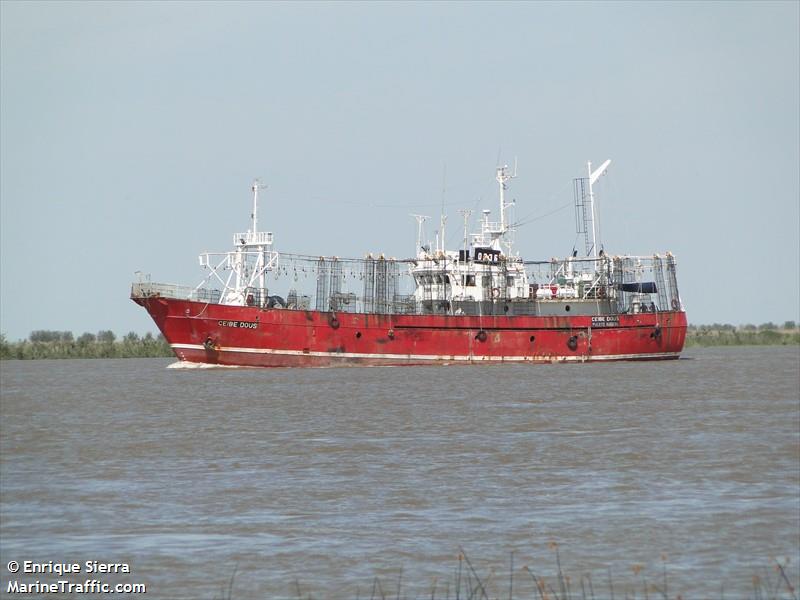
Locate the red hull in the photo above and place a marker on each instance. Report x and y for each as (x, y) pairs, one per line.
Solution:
(249, 336)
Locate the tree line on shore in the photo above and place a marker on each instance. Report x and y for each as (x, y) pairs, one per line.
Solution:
(44, 343)
(725, 334)
(103, 344)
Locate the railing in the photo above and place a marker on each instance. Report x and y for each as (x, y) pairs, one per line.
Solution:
(387, 286)
(261, 238)
(147, 289)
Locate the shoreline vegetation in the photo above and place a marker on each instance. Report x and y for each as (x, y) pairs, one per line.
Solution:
(105, 344)
(766, 334)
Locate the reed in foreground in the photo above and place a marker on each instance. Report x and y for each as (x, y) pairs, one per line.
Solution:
(470, 582)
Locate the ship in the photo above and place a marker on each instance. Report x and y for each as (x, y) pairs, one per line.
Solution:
(481, 303)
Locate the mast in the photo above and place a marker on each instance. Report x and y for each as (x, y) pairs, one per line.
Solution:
(256, 239)
(503, 175)
(442, 217)
(442, 221)
(466, 213)
(594, 176)
(255, 205)
(249, 262)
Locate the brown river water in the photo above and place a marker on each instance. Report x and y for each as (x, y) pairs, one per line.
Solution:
(354, 482)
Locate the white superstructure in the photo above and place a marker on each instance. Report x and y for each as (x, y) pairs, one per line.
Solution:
(485, 270)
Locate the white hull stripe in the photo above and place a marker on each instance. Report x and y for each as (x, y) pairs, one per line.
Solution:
(432, 357)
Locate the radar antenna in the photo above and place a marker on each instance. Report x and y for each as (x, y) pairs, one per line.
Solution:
(420, 220)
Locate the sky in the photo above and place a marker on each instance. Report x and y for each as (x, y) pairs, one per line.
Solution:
(130, 134)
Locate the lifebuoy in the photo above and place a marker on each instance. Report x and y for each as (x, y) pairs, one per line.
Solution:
(495, 292)
(333, 322)
(481, 336)
(390, 334)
